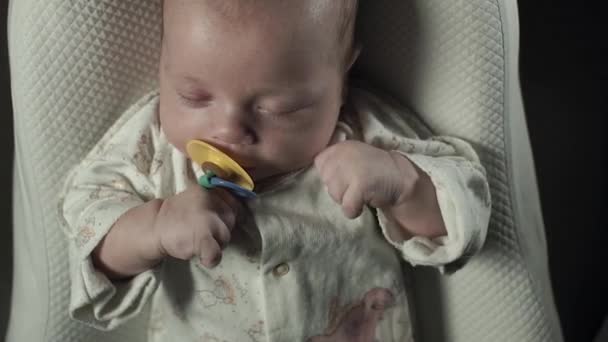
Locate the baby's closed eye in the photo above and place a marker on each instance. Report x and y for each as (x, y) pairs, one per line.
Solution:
(194, 98)
(282, 109)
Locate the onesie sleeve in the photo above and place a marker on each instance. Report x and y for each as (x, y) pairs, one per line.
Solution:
(113, 178)
(462, 190)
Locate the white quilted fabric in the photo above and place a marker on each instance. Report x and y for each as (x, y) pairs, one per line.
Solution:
(78, 64)
(447, 61)
(75, 66)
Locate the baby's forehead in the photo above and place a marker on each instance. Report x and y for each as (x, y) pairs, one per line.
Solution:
(331, 18)
(320, 13)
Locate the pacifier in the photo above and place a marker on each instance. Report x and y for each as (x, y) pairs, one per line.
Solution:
(220, 170)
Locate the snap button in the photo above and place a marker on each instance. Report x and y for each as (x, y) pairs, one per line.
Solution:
(281, 269)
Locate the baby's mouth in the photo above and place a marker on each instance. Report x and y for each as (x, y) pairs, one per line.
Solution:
(245, 162)
(247, 165)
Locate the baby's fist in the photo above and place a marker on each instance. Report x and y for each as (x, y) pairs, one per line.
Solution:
(356, 174)
(196, 222)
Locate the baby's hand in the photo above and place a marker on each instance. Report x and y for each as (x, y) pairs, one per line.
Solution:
(356, 174)
(196, 222)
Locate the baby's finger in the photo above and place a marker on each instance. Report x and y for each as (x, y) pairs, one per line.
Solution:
(210, 252)
(229, 199)
(332, 170)
(220, 231)
(323, 157)
(227, 207)
(336, 188)
(352, 201)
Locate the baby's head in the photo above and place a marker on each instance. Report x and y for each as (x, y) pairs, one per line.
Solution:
(263, 80)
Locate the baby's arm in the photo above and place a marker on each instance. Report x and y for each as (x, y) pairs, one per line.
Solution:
(418, 214)
(195, 222)
(130, 247)
(439, 210)
(118, 226)
(115, 177)
(357, 173)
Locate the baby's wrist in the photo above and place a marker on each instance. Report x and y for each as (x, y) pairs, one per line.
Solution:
(129, 247)
(149, 237)
(409, 178)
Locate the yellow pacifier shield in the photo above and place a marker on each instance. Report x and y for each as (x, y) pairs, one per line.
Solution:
(201, 152)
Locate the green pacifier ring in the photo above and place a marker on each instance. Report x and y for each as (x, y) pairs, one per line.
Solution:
(205, 180)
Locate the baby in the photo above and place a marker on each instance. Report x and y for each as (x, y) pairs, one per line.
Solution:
(349, 186)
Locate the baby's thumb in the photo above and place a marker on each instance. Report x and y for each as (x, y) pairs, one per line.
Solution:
(352, 202)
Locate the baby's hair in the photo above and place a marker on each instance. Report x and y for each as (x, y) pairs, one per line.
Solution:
(347, 15)
(346, 21)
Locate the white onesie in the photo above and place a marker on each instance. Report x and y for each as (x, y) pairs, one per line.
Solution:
(296, 269)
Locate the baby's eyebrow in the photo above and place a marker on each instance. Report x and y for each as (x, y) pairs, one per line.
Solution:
(191, 79)
(300, 88)
(290, 94)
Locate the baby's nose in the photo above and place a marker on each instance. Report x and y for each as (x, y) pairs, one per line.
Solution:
(233, 129)
(233, 136)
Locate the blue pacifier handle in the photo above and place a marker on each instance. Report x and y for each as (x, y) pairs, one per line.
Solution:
(210, 181)
(234, 188)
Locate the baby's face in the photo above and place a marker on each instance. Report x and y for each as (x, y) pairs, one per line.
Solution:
(265, 85)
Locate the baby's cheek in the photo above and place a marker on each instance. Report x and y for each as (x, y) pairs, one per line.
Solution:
(179, 128)
(289, 154)
(175, 135)
(309, 146)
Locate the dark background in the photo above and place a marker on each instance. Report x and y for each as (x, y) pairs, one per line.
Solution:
(564, 72)
(6, 165)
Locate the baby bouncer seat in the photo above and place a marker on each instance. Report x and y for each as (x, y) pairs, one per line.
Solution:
(76, 65)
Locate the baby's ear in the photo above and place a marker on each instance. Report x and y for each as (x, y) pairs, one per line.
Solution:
(356, 51)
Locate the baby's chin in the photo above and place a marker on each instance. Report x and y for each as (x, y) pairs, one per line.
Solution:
(261, 174)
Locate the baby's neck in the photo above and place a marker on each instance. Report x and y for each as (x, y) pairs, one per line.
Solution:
(277, 181)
